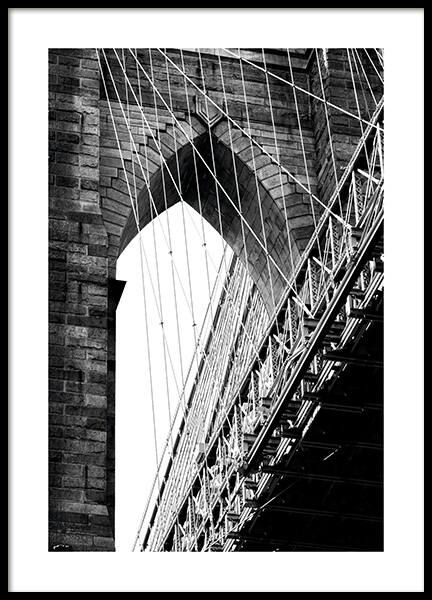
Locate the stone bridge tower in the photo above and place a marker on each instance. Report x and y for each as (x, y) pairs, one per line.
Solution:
(107, 119)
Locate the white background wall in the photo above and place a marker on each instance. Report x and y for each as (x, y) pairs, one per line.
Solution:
(400, 566)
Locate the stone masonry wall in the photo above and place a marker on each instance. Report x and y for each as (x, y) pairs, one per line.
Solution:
(79, 511)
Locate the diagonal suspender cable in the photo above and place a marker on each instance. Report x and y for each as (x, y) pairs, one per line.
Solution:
(137, 154)
(157, 269)
(214, 168)
(145, 178)
(365, 100)
(207, 166)
(365, 76)
(380, 57)
(234, 168)
(163, 339)
(135, 194)
(278, 159)
(186, 239)
(170, 420)
(180, 191)
(242, 219)
(149, 364)
(160, 465)
(162, 157)
(210, 137)
(153, 205)
(300, 89)
(141, 246)
(177, 490)
(178, 172)
(213, 163)
(303, 151)
(203, 233)
(181, 196)
(173, 279)
(213, 160)
(223, 189)
(373, 65)
(204, 242)
(356, 99)
(135, 215)
(254, 141)
(258, 195)
(171, 364)
(329, 132)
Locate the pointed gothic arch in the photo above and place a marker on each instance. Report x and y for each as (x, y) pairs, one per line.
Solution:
(253, 205)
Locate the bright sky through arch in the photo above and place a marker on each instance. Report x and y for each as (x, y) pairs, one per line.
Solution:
(192, 272)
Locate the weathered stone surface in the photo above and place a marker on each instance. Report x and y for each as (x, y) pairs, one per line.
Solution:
(77, 439)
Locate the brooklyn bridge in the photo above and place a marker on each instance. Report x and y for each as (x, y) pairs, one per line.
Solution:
(277, 445)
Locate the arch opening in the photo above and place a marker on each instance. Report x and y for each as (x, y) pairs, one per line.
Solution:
(262, 230)
(156, 367)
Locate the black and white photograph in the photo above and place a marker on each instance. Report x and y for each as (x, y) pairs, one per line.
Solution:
(246, 187)
(216, 359)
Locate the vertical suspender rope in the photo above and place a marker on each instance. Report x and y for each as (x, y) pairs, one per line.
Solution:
(357, 101)
(300, 89)
(204, 245)
(137, 222)
(303, 150)
(380, 57)
(212, 155)
(170, 252)
(242, 219)
(163, 337)
(161, 155)
(257, 189)
(142, 279)
(180, 185)
(145, 178)
(373, 65)
(365, 76)
(329, 132)
(137, 219)
(199, 199)
(170, 419)
(225, 192)
(359, 78)
(253, 140)
(146, 321)
(246, 259)
(210, 138)
(163, 159)
(225, 287)
(153, 204)
(165, 447)
(278, 159)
